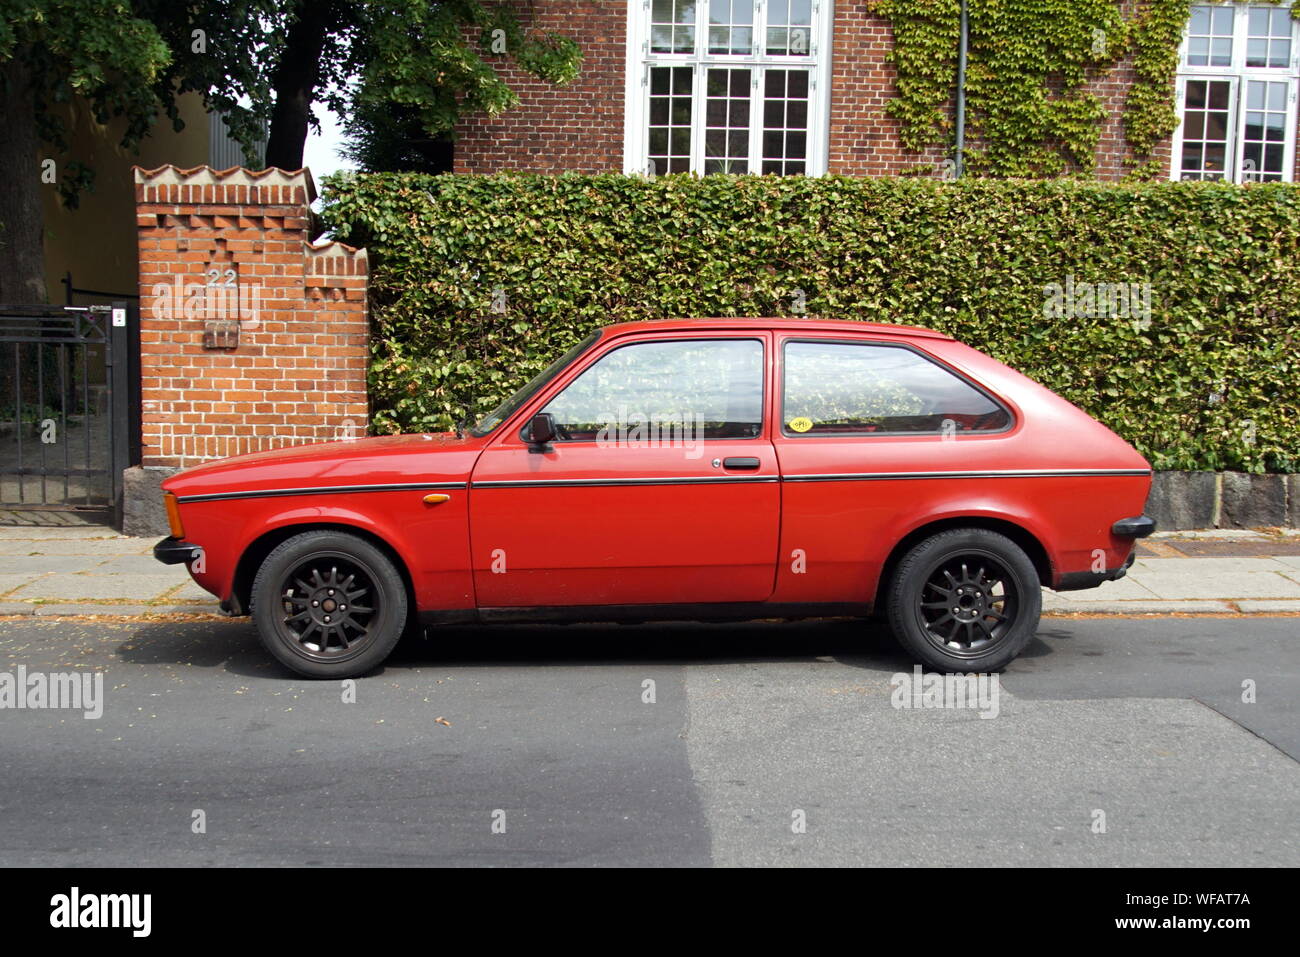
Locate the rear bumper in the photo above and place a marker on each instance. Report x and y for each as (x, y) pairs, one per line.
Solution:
(1139, 527)
(1078, 581)
(172, 551)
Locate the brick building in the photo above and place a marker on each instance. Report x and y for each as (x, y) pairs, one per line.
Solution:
(800, 86)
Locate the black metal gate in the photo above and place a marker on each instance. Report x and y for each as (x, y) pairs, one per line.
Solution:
(68, 407)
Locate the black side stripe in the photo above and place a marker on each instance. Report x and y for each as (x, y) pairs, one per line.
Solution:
(335, 489)
(996, 473)
(668, 480)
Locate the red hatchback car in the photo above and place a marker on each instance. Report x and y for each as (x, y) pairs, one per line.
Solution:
(698, 469)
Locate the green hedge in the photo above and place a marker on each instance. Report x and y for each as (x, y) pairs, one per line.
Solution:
(479, 281)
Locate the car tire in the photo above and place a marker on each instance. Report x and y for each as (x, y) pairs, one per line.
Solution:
(965, 600)
(328, 604)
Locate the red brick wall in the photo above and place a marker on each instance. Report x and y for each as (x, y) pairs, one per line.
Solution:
(577, 127)
(581, 127)
(863, 139)
(298, 373)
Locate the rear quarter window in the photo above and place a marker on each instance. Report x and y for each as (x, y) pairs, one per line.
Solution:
(852, 388)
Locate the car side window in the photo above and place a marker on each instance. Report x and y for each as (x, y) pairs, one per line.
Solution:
(845, 388)
(650, 392)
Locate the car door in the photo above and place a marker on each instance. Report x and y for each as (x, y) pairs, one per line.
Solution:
(661, 487)
(867, 433)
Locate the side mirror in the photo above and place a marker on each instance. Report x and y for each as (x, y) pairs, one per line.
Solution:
(540, 432)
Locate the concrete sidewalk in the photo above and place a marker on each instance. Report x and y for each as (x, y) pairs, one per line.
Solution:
(91, 570)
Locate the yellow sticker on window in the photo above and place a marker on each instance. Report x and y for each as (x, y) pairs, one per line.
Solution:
(800, 424)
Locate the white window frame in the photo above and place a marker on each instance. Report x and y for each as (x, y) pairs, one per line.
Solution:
(637, 88)
(1240, 75)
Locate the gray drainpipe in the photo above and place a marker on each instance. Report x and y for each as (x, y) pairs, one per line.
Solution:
(961, 92)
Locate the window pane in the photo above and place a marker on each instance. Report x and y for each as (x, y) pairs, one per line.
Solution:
(731, 27)
(1205, 129)
(1256, 52)
(726, 145)
(669, 139)
(789, 25)
(1263, 131)
(704, 389)
(839, 387)
(1210, 36)
(785, 121)
(1216, 158)
(672, 26)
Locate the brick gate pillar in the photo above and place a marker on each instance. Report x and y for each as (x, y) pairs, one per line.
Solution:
(251, 337)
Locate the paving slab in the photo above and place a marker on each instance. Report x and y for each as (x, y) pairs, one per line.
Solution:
(33, 565)
(1126, 589)
(1139, 607)
(47, 533)
(73, 587)
(133, 565)
(1176, 586)
(189, 591)
(75, 546)
(11, 582)
(1207, 566)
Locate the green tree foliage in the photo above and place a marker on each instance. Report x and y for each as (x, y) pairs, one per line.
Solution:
(262, 63)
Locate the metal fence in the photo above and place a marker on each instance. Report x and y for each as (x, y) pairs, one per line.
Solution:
(69, 407)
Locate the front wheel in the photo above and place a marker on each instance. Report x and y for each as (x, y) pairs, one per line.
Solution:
(965, 600)
(329, 604)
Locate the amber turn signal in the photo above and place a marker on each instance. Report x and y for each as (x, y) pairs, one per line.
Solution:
(173, 515)
(436, 499)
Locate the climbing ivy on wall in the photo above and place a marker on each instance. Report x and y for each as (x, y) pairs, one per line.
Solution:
(1030, 64)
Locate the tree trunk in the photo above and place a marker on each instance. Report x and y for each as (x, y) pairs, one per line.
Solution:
(295, 82)
(22, 220)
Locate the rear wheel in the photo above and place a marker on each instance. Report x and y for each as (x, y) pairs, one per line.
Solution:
(329, 604)
(965, 600)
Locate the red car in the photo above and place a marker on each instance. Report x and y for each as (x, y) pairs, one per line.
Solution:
(697, 469)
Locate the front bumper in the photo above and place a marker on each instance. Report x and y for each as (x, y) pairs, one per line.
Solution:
(172, 551)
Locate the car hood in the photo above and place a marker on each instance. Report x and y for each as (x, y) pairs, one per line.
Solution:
(386, 460)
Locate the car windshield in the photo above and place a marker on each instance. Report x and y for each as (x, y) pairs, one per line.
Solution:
(512, 404)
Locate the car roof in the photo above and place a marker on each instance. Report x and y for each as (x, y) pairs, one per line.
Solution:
(781, 324)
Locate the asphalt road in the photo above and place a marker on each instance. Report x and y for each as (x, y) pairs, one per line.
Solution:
(752, 728)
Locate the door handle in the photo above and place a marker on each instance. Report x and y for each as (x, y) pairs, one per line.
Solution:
(741, 462)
